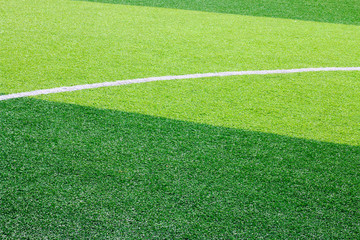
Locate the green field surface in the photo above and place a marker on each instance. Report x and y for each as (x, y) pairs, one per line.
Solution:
(321, 106)
(241, 157)
(333, 11)
(77, 172)
(81, 42)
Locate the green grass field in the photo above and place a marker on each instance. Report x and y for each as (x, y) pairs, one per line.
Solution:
(268, 156)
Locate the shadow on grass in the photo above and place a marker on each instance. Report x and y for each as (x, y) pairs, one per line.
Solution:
(72, 172)
(343, 11)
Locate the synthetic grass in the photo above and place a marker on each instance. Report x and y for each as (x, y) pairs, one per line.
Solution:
(77, 172)
(56, 43)
(322, 106)
(333, 11)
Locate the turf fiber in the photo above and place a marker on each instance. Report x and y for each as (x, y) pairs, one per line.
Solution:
(332, 11)
(77, 172)
(243, 157)
(320, 106)
(56, 43)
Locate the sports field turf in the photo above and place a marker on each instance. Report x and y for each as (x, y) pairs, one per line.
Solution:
(273, 156)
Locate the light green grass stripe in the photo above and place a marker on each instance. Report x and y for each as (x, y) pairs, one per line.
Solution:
(164, 78)
(42, 48)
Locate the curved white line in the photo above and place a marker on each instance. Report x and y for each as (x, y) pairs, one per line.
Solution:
(187, 76)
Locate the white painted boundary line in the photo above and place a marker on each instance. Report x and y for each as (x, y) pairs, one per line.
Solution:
(176, 77)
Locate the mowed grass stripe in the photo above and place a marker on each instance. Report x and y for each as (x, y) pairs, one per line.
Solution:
(46, 49)
(332, 11)
(77, 172)
(321, 105)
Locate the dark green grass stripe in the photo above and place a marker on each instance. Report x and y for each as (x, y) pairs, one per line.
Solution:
(76, 172)
(331, 11)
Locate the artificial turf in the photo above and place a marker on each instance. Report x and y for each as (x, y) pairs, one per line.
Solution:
(77, 172)
(56, 43)
(220, 158)
(332, 11)
(320, 106)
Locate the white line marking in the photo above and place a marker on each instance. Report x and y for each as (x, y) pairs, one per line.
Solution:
(176, 77)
